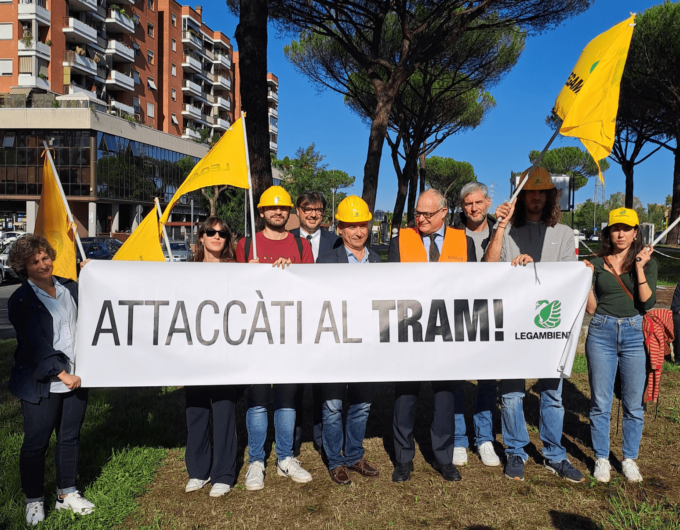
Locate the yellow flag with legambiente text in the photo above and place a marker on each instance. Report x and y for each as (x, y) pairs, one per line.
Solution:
(144, 243)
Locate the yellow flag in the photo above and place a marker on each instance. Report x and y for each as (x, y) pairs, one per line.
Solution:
(225, 164)
(589, 101)
(53, 224)
(144, 243)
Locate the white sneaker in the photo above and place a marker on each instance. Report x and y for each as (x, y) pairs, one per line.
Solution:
(76, 503)
(255, 476)
(459, 456)
(35, 513)
(631, 471)
(602, 471)
(488, 455)
(290, 467)
(195, 484)
(219, 489)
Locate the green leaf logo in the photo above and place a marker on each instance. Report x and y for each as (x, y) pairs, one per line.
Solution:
(593, 67)
(549, 315)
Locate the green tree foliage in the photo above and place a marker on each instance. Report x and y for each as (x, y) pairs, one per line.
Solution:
(449, 176)
(571, 161)
(307, 172)
(587, 212)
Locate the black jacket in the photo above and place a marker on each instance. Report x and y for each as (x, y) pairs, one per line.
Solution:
(339, 255)
(35, 360)
(328, 240)
(460, 222)
(394, 255)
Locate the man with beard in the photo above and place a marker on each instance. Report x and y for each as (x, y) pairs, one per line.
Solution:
(534, 235)
(279, 247)
(478, 225)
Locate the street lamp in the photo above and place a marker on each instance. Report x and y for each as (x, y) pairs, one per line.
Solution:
(334, 188)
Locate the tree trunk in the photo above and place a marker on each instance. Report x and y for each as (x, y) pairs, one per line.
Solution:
(672, 238)
(251, 36)
(400, 201)
(422, 169)
(411, 173)
(628, 170)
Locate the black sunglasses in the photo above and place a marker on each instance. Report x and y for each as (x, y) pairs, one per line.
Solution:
(210, 232)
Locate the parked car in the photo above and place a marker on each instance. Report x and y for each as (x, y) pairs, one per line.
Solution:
(582, 236)
(112, 244)
(9, 237)
(7, 271)
(180, 251)
(94, 250)
(594, 238)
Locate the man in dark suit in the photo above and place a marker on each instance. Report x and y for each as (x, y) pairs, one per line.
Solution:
(430, 241)
(310, 207)
(344, 445)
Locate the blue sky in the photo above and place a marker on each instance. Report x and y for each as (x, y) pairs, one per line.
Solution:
(503, 141)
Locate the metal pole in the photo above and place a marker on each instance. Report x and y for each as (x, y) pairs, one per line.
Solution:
(533, 166)
(192, 222)
(63, 198)
(663, 234)
(165, 232)
(250, 183)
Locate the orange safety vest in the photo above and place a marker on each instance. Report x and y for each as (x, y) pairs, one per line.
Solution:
(411, 248)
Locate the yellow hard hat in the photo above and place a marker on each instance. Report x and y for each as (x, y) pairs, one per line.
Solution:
(624, 215)
(353, 209)
(275, 196)
(539, 180)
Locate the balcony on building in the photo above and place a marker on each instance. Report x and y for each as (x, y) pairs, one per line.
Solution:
(272, 95)
(121, 109)
(79, 63)
(273, 128)
(191, 63)
(222, 81)
(122, 2)
(36, 48)
(220, 123)
(220, 102)
(192, 40)
(77, 31)
(223, 59)
(189, 111)
(119, 80)
(119, 51)
(34, 81)
(192, 88)
(273, 146)
(116, 22)
(190, 134)
(83, 5)
(34, 10)
(273, 112)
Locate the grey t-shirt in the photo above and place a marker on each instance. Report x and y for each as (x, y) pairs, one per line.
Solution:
(541, 242)
(478, 238)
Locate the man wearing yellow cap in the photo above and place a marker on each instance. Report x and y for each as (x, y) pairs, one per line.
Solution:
(344, 447)
(277, 246)
(529, 231)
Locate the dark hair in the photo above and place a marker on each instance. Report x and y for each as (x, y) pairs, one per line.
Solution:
(228, 250)
(635, 248)
(551, 215)
(25, 248)
(310, 197)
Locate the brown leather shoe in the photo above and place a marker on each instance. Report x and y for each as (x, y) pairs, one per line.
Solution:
(364, 469)
(340, 476)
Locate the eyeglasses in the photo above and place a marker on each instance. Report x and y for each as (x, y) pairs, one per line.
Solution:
(307, 211)
(427, 215)
(210, 232)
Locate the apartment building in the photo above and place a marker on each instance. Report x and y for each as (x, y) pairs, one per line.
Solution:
(156, 80)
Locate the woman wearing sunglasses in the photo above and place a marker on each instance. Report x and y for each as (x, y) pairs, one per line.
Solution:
(214, 246)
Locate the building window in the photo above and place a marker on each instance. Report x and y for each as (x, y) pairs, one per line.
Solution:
(173, 94)
(150, 84)
(174, 120)
(149, 30)
(5, 31)
(174, 70)
(173, 45)
(135, 75)
(6, 66)
(149, 56)
(136, 19)
(150, 110)
(174, 19)
(135, 47)
(135, 105)
(149, 4)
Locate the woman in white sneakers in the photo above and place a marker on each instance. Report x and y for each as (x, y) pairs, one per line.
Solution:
(624, 288)
(43, 312)
(214, 246)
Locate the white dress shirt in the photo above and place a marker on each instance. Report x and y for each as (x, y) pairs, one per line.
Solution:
(315, 240)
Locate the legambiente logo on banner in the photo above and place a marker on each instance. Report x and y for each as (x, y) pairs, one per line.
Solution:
(548, 317)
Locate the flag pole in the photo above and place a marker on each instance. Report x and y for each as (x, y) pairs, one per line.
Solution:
(663, 234)
(63, 198)
(250, 183)
(533, 166)
(165, 232)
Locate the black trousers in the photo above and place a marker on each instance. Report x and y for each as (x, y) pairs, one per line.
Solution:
(63, 413)
(316, 411)
(284, 396)
(442, 430)
(199, 402)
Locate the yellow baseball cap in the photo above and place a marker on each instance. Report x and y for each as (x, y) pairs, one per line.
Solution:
(626, 216)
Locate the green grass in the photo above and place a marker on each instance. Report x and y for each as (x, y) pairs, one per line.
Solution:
(642, 515)
(124, 440)
(581, 365)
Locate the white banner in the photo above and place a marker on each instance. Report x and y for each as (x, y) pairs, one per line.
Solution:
(167, 324)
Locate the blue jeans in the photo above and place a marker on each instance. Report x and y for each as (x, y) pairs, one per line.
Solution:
(257, 421)
(483, 416)
(611, 343)
(351, 438)
(551, 419)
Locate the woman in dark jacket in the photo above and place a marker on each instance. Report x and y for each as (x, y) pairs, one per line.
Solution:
(214, 246)
(624, 288)
(43, 312)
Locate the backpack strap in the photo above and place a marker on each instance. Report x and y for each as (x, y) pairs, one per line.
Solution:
(298, 241)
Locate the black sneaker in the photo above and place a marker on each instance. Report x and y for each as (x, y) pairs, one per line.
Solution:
(565, 470)
(514, 468)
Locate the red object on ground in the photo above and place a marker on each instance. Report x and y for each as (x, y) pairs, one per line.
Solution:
(657, 327)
